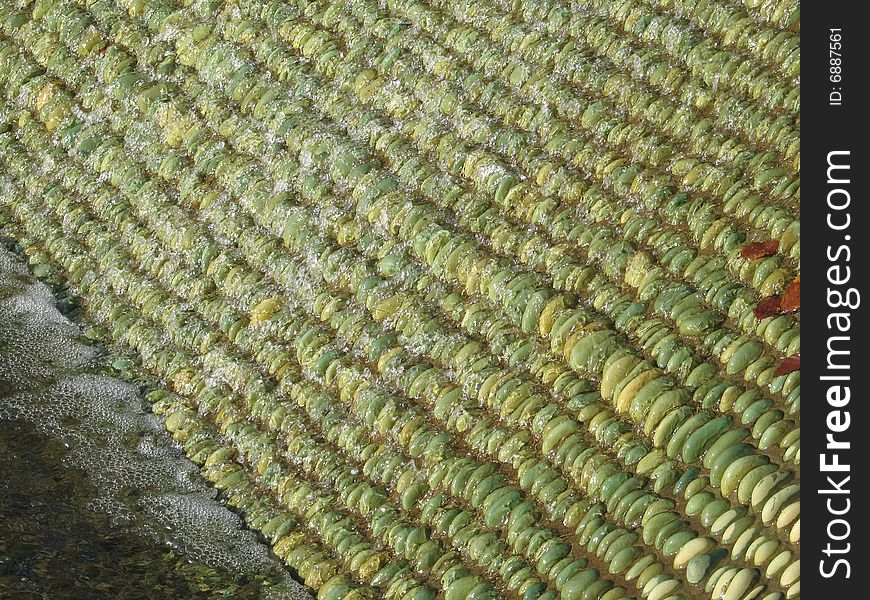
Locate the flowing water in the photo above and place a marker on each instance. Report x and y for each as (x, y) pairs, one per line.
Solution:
(96, 500)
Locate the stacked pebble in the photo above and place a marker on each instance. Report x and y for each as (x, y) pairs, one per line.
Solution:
(450, 299)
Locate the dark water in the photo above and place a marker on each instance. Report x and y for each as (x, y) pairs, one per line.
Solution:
(52, 545)
(96, 500)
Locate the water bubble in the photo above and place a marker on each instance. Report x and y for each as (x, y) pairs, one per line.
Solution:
(49, 377)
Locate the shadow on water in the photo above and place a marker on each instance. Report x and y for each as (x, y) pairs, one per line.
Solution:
(52, 545)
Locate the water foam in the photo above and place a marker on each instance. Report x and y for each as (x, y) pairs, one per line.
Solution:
(49, 376)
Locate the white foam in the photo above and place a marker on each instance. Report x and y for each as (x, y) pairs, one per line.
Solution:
(144, 481)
